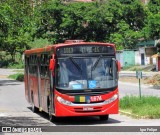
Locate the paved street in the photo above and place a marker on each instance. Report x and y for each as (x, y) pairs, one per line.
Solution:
(133, 73)
(15, 111)
(133, 89)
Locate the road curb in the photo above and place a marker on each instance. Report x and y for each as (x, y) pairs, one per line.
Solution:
(133, 115)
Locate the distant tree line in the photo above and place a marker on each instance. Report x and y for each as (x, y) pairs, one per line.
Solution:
(25, 25)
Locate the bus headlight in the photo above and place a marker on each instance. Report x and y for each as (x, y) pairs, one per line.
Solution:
(63, 101)
(113, 98)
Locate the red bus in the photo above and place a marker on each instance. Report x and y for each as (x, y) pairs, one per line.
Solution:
(74, 78)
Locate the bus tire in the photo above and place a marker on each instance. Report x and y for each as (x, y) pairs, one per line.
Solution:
(34, 109)
(104, 117)
(51, 117)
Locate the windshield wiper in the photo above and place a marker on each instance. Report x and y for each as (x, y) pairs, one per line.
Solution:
(76, 64)
(96, 63)
(114, 59)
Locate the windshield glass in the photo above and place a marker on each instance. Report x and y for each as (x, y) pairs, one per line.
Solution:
(86, 73)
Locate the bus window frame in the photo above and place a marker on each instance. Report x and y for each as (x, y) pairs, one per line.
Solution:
(44, 65)
(33, 64)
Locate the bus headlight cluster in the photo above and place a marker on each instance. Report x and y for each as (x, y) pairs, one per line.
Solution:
(111, 99)
(63, 101)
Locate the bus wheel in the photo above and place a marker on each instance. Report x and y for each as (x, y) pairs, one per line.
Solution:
(34, 109)
(51, 117)
(104, 117)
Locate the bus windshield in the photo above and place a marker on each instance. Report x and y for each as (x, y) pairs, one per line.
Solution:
(86, 73)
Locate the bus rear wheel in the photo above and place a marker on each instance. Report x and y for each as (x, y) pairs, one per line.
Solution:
(104, 117)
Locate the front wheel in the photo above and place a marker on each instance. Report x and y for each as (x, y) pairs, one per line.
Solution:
(51, 117)
(104, 117)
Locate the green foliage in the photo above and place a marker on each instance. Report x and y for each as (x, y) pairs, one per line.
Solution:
(14, 24)
(18, 77)
(134, 15)
(15, 65)
(152, 24)
(122, 22)
(108, 21)
(148, 107)
(38, 43)
(133, 68)
(154, 6)
(11, 64)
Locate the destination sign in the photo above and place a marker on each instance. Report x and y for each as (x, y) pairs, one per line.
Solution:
(85, 49)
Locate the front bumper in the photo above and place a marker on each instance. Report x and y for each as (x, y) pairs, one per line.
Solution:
(62, 110)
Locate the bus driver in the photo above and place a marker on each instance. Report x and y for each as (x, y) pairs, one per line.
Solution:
(64, 74)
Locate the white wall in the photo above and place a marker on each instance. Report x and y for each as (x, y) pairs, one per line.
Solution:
(147, 60)
(154, 61)
(137, 58)
(156, 64)
(119, 57)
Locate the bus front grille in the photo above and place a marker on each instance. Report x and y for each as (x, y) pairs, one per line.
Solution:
(88, 109)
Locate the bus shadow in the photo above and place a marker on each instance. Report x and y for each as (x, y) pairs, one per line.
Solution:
(89, 120)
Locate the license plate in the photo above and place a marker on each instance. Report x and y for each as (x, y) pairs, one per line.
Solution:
(87, 108)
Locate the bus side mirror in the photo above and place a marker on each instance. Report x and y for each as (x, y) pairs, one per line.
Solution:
(119, 66)
(52, 64)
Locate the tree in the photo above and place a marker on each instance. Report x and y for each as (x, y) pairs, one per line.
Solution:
(124, 37)
(15, 23)
(120, 22)
(89, 21)
(152, 27)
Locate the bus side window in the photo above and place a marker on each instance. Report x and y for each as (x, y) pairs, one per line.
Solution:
(33, 65)
(30, 64)
(44, 65)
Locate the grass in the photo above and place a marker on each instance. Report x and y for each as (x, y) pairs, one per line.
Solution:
(6, 60)
(17, 76)
(132, 68)
(139, 68)
(145, 107)
(16, 65)
(11, 64)
(18, 70)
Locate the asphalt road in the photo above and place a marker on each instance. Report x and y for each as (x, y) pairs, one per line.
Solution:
(133, 73)
(15, 111)
(133, 89)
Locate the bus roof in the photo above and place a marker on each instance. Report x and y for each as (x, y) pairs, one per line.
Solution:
(51, 48)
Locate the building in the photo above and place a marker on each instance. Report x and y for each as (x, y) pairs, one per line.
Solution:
(146, 50)
(126, 57)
